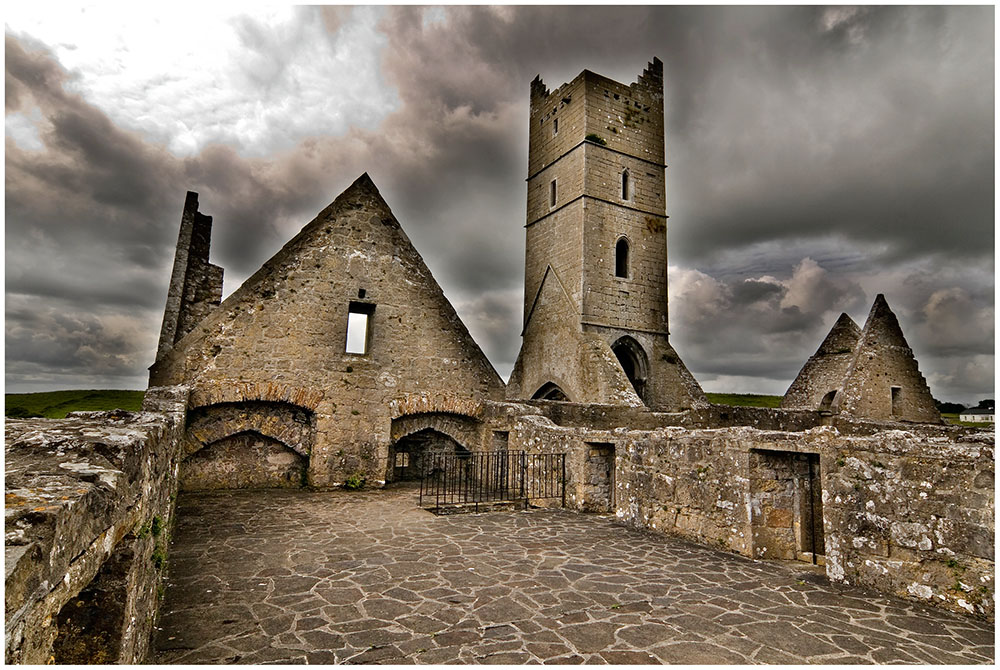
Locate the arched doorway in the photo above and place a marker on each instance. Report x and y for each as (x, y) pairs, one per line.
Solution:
(409, 455)
(550, 391)
(634, 363)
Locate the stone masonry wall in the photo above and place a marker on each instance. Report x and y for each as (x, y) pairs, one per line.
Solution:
(628, 117)
(286, 326)
(88, 508)
(906, 512)
(639, 300)
(195, 284)
(911, 512)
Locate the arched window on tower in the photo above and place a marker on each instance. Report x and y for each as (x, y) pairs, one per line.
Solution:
(621, 258)
(626, 186)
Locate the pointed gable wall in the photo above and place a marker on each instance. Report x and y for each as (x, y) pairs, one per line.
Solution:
(824, 372)
(883, 380)
(286, 328)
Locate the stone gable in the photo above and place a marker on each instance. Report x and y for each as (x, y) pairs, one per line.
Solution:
(287, 325)
(823, 374)
(883, 380)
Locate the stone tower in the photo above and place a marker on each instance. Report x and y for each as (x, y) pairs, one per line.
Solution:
(595, 279)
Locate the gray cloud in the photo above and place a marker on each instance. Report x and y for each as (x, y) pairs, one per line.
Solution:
(859, 139)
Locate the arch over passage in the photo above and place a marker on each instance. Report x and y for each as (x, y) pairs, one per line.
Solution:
(409, 454)
(550, 391)
(634, 362)
(291, 425)
(827, 402)
(246, 460)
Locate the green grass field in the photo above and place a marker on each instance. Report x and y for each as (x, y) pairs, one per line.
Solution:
(56, 404)
(744, 399)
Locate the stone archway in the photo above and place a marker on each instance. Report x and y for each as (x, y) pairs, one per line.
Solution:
(251, 444)
(550, 391)
(408, 456)
(634, 362)
(246, 460)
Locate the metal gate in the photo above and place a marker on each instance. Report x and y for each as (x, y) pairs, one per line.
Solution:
(483, 480)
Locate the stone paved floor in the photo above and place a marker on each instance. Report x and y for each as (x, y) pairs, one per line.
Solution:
(293, 577)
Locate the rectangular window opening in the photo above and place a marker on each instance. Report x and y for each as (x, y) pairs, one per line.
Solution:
(555, 126)
(896, 400)
(358, 327)
(552, 193)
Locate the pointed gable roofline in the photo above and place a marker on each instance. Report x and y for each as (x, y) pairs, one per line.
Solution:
(884, 380)
(362, 194)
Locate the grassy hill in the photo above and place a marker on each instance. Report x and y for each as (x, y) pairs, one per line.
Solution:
(744, 399)
(56, 404)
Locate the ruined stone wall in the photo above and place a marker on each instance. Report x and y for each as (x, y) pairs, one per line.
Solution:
(89, 502)
(628, 117)
(195, 284)
(910, 512)
(907, 512)
(565, 105)
(286, 327)
(883, 381)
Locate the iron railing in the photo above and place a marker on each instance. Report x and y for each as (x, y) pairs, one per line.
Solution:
(483, 479)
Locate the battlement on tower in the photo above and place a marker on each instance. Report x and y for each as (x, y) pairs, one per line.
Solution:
(627, 118)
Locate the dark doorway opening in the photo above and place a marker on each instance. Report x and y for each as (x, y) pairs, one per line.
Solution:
(408, 455)
(549, 391)
(632, 358)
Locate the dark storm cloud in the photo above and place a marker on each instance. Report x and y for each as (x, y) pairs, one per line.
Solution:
(91, 221)
(861, 138)
(761, 327)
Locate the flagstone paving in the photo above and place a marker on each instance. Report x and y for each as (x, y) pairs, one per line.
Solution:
(367, 577)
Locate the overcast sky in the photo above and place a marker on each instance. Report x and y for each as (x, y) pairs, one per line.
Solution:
(817, 157)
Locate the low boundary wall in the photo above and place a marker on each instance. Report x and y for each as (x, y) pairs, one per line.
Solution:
(88, 508)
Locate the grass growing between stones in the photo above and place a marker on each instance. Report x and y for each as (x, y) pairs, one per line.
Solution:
(744, 399)
(57, 404)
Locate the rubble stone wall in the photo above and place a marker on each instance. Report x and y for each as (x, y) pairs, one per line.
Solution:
(287, 325)
(904, 510)
(88, 510)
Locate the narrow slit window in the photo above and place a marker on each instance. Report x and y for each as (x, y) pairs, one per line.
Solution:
(358, 327)
(625, 185)
(621, 258)
(555, 126)
(552, 193)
